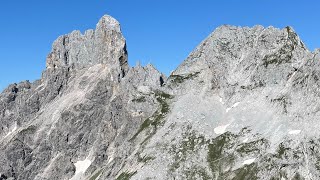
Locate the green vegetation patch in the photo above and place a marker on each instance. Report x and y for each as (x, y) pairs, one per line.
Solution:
(224, 150)
(218, 156)
(126, 175)
(96, 175)
(143, 126)
(246, 172)
(196, 172)
(297, 176)
(189, 145)
(177, 79)
(139, 99)
(252, 147)
(284, 55)
(145, 158)
(156, 120)
(282, 149)
(29, 130)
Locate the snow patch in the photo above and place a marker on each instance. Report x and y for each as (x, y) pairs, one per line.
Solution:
(293, 132)
(15, 126)
(221, 129)
(233, 106)
(81, 167)
(221, 100)
(248, 161)
(245, 140)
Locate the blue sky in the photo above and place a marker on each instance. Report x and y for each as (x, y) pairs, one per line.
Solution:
(162, 32)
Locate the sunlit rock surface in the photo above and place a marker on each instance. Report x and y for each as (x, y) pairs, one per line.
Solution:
(243, 105)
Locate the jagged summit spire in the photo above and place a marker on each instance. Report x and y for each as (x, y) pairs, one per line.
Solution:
(108, 22)
(104, 45)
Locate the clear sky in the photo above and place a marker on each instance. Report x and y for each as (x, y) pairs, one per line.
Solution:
(162, 32)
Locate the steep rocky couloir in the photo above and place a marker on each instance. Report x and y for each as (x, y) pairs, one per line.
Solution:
(243, 105)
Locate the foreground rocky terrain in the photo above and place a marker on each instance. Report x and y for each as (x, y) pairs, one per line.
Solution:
(243, 105)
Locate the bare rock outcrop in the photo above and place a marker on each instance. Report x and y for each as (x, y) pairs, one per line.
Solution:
(243, 105)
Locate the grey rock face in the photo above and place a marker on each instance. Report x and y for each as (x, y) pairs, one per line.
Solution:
(252, 115)
(104, 45)
(243, 105)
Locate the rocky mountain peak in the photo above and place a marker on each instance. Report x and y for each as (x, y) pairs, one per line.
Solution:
(247, 56)
(107, 22)
(104, 45)
(243, 105)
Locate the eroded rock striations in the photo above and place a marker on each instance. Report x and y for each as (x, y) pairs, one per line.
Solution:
(243, 105)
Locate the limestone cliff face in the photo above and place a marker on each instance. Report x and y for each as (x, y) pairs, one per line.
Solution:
(243, 105)
(104, 45)
(84, 109)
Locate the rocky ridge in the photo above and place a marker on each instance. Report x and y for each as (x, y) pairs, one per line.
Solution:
(243, 105)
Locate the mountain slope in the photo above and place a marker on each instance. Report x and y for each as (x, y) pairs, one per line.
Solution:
(243, 105)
